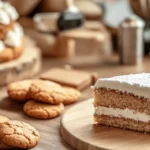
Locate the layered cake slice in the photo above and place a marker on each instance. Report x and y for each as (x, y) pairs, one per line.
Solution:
(123, 101)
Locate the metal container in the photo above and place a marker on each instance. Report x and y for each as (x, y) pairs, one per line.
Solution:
(131, 41)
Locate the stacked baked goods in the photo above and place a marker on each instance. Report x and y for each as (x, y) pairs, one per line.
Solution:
(43, 99)
(123, 101)
(11, 33)
(17, 134)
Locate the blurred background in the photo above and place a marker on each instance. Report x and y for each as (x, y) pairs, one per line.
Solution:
(92, 29)
(71, 42)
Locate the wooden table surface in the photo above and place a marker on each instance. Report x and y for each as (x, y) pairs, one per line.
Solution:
(49, 129)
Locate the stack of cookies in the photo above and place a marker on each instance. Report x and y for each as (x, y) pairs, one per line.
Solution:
(17, 134)
(43, 99)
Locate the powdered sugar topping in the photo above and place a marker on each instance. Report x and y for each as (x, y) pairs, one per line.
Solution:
(138, 84)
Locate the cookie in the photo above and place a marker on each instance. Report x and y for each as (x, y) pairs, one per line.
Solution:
(4, 146)
(42, 111)
(3, 119)
(47, 92)
(19, 90)
(18, 134)
(73, 95)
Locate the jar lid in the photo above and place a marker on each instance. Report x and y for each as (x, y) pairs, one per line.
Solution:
(133, 21)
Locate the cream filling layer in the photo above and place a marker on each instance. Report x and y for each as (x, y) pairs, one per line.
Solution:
(125, 113)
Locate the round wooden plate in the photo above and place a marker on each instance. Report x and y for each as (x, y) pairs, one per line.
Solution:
(27, 65)
(78, 130)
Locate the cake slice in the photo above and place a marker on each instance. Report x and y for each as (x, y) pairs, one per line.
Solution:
(123, 101)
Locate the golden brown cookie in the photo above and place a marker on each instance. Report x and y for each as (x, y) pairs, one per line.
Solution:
(18, 134)
(42, 111)
(73, 95)
(4, 146)
(3, 119)
(19, 90)
(47, 92)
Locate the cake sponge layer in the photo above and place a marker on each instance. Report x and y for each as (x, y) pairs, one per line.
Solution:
(122, 123)
(116, 99)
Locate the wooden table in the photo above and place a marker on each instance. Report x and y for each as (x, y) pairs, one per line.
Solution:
(49, 129)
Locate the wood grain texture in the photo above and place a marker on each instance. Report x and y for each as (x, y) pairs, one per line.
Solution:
(28, 64)
(50, 129)
(78, 130)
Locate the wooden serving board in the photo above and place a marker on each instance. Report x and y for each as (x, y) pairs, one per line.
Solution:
(27, 65)
(78, 130)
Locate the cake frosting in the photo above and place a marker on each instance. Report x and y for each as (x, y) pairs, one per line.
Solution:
(137, 84)
(7, 13)
(125, 113)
